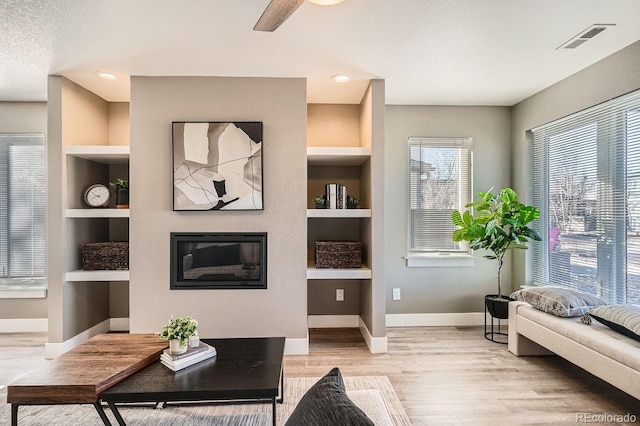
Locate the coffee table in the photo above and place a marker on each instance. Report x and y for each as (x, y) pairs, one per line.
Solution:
(245, 369)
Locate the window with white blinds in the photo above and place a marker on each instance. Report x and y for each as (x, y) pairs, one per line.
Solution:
(22, 209)
(586, 177)
(439, 183)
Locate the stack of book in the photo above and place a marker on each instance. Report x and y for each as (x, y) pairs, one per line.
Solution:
(190, 357)
(335, 196)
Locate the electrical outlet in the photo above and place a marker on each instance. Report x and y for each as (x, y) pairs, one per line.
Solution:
(396, 294)
(339, 294)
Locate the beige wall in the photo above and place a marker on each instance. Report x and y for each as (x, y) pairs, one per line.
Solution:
(280, 104)
(613, 76)
(119, 123)
(333, 125)
(441, 289)
(23, 117)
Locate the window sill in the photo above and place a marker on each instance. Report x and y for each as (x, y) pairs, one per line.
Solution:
(14, 292)
(439, 260)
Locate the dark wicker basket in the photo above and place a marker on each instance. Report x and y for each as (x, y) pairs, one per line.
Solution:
(338, 254)
(105, 256)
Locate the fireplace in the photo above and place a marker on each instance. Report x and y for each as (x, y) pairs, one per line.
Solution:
(226, 260)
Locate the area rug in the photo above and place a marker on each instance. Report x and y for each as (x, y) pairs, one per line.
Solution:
(218, 414)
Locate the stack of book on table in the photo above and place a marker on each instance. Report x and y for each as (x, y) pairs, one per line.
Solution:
(192, 356)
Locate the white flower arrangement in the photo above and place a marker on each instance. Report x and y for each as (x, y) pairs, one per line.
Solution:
(179, 329)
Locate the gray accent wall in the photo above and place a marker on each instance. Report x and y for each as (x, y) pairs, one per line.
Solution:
(23, 117)
(613, 76)
(281, 309)
(443, 289)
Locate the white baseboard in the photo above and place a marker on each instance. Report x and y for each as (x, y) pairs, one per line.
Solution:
(119, 324)
(333, 321)
(296, 346)
(54, 350)
(435, 320)
(23, 325)
(377, 345)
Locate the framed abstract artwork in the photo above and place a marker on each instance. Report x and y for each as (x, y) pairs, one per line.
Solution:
(217, 165)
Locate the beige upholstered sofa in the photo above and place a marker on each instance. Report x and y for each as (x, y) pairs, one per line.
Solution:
(601, 351)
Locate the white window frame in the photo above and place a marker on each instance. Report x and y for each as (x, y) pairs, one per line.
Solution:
(440, 256)
(611, 214)
(20, 285)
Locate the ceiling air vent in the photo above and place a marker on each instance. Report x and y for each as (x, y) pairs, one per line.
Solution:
(584, 36)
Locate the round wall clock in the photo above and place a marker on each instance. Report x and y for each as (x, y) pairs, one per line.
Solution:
(97, 195)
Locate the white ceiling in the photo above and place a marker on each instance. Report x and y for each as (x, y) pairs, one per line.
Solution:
(434, 52)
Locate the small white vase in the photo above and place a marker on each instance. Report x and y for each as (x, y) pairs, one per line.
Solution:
(194, 341)
(176, 346)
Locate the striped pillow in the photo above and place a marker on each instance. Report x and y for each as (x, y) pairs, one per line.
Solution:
(624, 319)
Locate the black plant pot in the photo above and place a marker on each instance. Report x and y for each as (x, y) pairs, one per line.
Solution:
(122, 198)
(497, 306)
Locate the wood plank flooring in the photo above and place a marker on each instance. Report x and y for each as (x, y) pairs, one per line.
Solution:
(442, 375)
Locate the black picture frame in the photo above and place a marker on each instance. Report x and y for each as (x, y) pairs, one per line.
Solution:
(217, 165)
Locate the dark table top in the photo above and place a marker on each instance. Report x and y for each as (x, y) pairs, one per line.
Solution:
(243, 368)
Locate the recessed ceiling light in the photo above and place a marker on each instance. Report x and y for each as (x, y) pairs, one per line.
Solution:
(326, 2)
(340, 78)
(105, 75)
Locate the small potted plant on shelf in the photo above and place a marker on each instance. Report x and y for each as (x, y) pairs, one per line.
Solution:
(121, 187)
(497, 223)
(178, 331)
(352, 203)
(319, 202)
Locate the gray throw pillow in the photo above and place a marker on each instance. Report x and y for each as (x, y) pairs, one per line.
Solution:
(624, 319)
(327, 404)
(559, 301)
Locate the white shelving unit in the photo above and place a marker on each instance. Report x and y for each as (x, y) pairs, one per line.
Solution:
(97, 213)
(361, 273)
(330, 157)
(339, 213)
(337, 156)
(81, 275)
(109, 155)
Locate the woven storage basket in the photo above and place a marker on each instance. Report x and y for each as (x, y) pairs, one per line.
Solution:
(338, 254)
(105, 256)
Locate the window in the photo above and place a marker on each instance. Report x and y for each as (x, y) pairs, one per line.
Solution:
(22, 210)
(586, 177)
(439, 183)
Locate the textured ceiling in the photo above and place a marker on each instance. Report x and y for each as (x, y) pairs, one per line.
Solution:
(436, 52)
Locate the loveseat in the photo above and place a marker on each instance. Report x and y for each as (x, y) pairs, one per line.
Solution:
(600, 350)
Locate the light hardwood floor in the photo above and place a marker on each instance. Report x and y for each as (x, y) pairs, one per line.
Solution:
(442, 375)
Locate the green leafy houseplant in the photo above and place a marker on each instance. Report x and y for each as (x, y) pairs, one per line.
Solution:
(497, 223)
(179, 329)
(120, 184)
(121, 187)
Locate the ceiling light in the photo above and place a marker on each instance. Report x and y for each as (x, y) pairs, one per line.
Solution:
(340, 78)
(105, 75)
(326, 2)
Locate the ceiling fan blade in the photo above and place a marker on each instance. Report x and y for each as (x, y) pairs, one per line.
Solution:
(276, 13)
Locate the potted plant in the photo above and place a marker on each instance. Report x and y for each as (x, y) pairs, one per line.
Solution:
(121, 187)
(178, 332)
(319, 202)
(352, 203)
(497, 223)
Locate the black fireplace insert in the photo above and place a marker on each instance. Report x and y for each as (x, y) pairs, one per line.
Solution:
(221, 260)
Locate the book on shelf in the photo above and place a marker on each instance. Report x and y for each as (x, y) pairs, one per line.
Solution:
(192, 359)
(336, 196)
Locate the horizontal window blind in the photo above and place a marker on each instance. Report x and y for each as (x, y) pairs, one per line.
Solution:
(22, 209)
(439, 182)
(586, 177)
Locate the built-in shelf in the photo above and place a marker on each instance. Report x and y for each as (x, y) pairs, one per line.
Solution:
(362, 273)
(338, 213)
(97, 213)
(107, 154)
(81, 275)
(337, 156)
